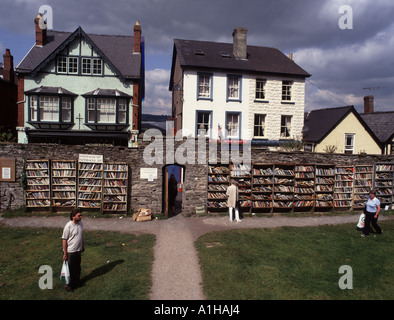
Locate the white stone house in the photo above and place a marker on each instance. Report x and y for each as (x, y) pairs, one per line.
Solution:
(78, 88)
(236, 91)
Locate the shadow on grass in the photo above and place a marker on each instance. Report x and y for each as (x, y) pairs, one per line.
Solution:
(101, 270)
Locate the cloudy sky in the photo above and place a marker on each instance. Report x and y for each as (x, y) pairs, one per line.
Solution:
(346, 64)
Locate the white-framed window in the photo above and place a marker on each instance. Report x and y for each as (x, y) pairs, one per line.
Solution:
(49, 108)
(73, 65)
(66, 109)
(86, 66)
(62, 64)
(203, 122)
(91, 110)
(45, 108)
(260, 89)
(349, 143)
(259, 125)
(204, 86)
(106, 110)
(122, 113)
(233, 87)
(286, 90)
(33, 108)
(233, 125)
(285, 127)
(70, 65)
(97, 66)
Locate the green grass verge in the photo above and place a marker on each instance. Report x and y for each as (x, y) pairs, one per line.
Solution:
(297, 263)
(115, 266)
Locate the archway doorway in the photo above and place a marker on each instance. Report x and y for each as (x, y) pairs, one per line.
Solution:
(173, 179)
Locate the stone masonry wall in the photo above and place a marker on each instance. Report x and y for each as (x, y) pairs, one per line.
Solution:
(144, 193)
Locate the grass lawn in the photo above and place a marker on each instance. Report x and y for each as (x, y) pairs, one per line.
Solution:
(114, 265)
(297, 263)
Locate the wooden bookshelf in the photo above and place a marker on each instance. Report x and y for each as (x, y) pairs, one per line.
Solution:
(363, 177)
(90, 185)
(37, 191)
(324, 187)
(63, 184)
(343, 188)
(262, 187)
(218, 182)
(304, 187)
(283, 192)
(115, 187)
(384, 183)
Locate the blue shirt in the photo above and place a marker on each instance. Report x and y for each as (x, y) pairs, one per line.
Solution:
(372, 205)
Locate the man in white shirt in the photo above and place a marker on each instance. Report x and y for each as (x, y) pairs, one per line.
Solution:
(73, 245)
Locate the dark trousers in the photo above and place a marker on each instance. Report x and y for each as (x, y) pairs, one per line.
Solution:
(74, 264)
(370, 219)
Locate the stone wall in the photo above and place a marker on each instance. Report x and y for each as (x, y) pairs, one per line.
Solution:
(144, 193)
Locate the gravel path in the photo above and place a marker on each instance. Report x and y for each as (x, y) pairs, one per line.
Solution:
(176, 273)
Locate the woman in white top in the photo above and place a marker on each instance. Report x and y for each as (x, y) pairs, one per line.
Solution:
(372, 210)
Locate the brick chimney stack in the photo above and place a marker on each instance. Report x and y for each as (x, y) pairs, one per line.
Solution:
(137, 37)
(41, 30)
(240, 50)
(368, 104)
(8, 68)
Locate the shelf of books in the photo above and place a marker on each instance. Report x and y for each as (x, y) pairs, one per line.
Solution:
(262, 187)
(363, 176)
(304, 187)
(115, 187)
(384, 183)
(343, 188)
(241, 173)
(324, 187)
(90, 184)
(37, 191)
(218, 182)
(63, 184)
(283, 192)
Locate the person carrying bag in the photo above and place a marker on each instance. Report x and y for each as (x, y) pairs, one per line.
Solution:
(372, 210)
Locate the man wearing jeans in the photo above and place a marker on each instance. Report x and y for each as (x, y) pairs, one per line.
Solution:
(73, 245)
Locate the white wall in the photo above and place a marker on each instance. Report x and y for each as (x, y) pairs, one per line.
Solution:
(272, 107)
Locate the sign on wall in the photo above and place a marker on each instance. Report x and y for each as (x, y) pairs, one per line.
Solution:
(7, 169)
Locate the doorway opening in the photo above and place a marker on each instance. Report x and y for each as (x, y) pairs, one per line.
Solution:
(173, 178)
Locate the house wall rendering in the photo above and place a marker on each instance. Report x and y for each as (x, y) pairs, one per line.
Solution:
(363, 142)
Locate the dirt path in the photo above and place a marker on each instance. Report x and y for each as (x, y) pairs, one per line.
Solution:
(176, 273)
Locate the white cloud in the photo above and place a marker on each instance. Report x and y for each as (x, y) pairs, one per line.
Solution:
(157, 95)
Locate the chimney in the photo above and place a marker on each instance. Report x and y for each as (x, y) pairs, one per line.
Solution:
(239, 43)
(41, 30)
(291, 55)
(368, 104)
(8, 68)
(137, 37)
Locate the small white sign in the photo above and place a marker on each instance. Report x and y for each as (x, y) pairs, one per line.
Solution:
(6, 173)
(148, 173)
(91, 158)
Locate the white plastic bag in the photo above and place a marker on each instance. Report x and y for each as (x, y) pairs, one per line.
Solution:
(65, 273)
(361, 221)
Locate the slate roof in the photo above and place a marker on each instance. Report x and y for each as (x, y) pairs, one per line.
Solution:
(381, 123)
(50, 90)
(215, 55)
(319, 123)
(117, 51)
(107, 93)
